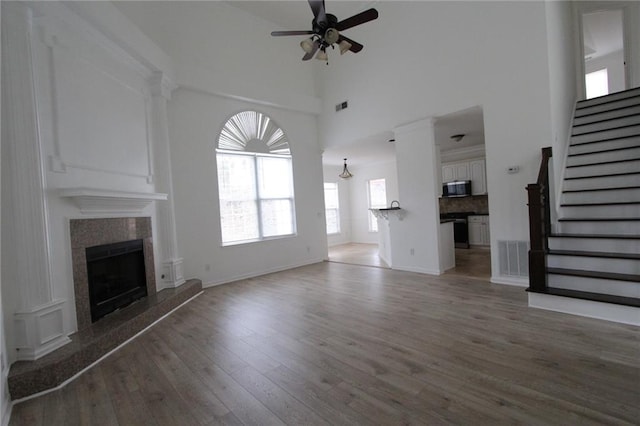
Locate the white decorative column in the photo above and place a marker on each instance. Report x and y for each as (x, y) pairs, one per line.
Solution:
(37, 317)
(172, 270)
(414, 240)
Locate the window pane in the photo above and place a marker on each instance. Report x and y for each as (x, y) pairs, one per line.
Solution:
(277, 218)
(274, 175)
(236, 177)
(331, 195)
(333, 221)
(597, 83)
(377, 194)
(239, 220)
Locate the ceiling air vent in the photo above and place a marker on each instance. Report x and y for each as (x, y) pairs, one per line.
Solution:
(341, 106)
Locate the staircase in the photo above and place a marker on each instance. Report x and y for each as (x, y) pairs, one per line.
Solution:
(594, 248)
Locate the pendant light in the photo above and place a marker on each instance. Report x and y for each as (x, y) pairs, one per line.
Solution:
(345, 172)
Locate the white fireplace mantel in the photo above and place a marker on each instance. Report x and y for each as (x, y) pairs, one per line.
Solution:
(106, 201)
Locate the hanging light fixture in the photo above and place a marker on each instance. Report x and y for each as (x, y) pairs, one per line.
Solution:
(307, 45)
(345, 172)
(344, 46)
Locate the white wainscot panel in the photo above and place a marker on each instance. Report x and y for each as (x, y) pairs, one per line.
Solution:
(102, 120)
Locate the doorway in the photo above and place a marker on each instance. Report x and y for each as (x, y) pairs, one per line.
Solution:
(605, 57)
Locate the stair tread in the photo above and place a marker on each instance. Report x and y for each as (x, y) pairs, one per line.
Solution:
(601, 176)
(611, 97)
(603, 140)
(578, 126)
(603, 151)
(626, 160)
(583, 253)
(595, 297)
(620, 108)
(612, 203)
(594, 274)
(573, 135)
(599, 219)
(617, 188)
(608, 236)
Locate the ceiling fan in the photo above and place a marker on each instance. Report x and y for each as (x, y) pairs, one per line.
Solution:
(326, 30)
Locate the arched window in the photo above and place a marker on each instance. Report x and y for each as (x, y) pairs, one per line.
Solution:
(255, 180)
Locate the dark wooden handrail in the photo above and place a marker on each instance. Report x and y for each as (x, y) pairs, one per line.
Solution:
(539, 225)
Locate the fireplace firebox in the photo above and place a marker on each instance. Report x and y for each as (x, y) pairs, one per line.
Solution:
(116, 276)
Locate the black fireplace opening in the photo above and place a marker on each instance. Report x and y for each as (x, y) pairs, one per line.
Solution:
(116, 275)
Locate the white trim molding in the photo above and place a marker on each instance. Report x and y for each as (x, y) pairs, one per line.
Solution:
(39, 330)
(105, 201)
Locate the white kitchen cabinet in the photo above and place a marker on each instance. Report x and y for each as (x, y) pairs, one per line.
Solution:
(479, 230)
(477, 171)
(473, 170)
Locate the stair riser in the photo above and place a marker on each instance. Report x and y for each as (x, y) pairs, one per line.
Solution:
(610, 101)
(599, 146)
(602, 182)
(607, 134)
(584, 263)
(595, 285)
(608, 115)
(604, 196)
(609, 245)
(606, 125)
(600, 228)
(602, 157)
(631, 211)
(604, 169)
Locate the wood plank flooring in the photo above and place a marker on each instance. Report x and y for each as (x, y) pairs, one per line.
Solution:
(338, 344)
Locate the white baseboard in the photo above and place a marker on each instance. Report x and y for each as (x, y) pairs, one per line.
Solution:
(586, 308)
(254, 274)
(514, 281)
(417, 269)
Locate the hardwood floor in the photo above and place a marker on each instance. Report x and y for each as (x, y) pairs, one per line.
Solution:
(333, 343)
(357, 254)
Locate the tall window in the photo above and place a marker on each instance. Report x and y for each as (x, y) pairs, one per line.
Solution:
(597, 83)
(377, 191)
(332, 212)
(255, 180)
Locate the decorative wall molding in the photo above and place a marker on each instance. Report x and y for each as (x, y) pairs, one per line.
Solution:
(172, 273)
(161, 85)
(105, 201)
(39, 330)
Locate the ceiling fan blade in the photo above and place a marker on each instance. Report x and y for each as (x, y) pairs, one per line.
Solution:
(355, 46)
(316, 46)
(317, 7)
(360, 18)
(290, 33)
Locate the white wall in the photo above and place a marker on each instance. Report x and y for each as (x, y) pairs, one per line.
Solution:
(219, 48)
(453, 55)
(561, 42)
(344, 204)
(195, 122)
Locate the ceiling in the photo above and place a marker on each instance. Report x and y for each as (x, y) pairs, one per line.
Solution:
(297, 15)
(602, 33)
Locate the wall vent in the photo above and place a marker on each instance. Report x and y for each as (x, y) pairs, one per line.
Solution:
(514, 258)
(341, 106)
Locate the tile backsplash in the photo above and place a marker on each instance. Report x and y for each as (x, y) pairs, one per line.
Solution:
(476, 203)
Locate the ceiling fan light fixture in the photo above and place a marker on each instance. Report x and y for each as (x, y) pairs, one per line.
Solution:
(458, 137)
(307, 45)
(331, 36)
(322, 55)
(345, 172)
(344, 46)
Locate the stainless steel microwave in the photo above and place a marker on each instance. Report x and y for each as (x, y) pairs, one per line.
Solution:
(458, 188)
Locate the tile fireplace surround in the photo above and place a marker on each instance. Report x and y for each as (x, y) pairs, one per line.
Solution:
(95, 232)
(94, 340)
